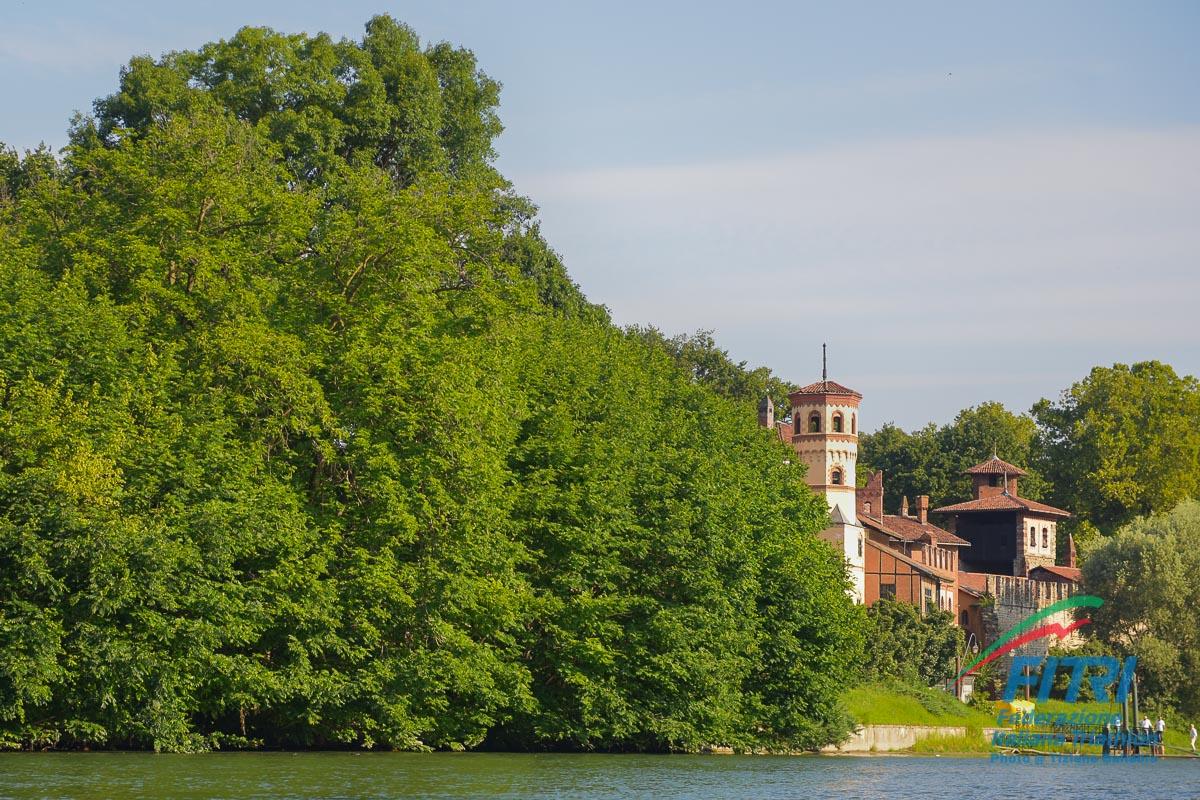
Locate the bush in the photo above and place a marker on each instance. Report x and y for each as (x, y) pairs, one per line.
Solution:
(905, 645)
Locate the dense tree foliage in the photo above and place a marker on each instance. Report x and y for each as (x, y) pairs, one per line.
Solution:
(307, 438)
(931, 460)
(904, 644)
(712, 366)
(1123, 442)
(1146, 574)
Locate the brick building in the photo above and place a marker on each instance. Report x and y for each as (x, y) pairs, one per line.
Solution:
(992, 564)
(1008, 534)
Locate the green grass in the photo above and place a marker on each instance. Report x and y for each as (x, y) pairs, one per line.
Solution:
(899, 704)
(972, 742)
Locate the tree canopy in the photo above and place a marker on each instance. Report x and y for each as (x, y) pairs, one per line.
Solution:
(1123, 442)
(932, 460)
(308, 439)
(1146, 575)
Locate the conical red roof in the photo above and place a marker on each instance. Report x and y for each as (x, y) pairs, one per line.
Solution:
(994, 466)
(826, 387)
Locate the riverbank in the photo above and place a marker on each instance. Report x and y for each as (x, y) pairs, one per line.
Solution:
(898, 704)
(897, 718)
(917, 739)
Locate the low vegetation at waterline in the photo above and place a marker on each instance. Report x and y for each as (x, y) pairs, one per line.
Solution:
(306, 439)
(898, 703)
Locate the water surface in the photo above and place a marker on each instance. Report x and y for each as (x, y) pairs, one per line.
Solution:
(486, 775)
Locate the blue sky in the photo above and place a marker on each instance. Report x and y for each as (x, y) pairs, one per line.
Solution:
(968, 202)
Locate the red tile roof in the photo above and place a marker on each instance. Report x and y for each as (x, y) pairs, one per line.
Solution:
(975, 582)
(1069, 573)
(1002, 502)
(911, 529)
(994, 466)
(826, 387)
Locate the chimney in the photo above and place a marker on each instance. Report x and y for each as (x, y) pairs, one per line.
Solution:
(923, 508)
(1070, 550)
(904, 506)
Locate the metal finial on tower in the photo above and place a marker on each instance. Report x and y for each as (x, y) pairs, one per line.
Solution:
(824, 369)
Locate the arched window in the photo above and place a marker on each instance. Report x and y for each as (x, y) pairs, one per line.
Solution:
(814, 422)
(1045, 537)
(837, 423)
(837, 477)
(854, 423)
(1032, 536)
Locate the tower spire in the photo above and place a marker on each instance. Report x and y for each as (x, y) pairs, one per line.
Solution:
(824, 369)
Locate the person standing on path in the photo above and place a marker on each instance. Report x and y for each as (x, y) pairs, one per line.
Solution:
(1162, 728)
(1193, 737)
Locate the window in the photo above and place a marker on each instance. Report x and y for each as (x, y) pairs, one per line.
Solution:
(837, 477)
(837, 423)
(814, 422)
(928, 599)
(854, 423)
(1032, 536)
(887, 591)
(963, 619)
(1046, 537)
(860, 545)
(993, 480)
(867, 508)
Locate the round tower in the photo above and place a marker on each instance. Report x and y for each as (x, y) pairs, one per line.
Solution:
(825, 438)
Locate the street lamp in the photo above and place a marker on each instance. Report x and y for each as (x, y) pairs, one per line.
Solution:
(972, 645)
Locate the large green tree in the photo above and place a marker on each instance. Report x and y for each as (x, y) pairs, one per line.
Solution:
(1146, 574)
(907, 645)
(307, 438)
(1123, 442)
(932, 460)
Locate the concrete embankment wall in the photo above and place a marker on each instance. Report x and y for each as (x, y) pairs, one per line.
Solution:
(882, 738)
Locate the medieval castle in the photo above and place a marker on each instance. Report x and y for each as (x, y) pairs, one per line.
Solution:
(991, 565)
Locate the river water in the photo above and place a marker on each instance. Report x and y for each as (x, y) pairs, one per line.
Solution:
(469, 775)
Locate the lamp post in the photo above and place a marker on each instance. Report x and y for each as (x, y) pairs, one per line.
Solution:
(972, 645)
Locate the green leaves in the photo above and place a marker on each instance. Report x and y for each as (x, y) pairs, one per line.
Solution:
(1123, 442)
(1146, 575)
(912, 647)
(308, 439)
(931, 460)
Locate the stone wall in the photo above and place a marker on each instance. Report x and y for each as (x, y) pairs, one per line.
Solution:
(884, 738)
(1017, 598)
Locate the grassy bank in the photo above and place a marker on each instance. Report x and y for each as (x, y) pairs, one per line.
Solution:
(899, 704)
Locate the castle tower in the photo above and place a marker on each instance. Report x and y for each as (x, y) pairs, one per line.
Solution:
(825, 438)
(1009, 534)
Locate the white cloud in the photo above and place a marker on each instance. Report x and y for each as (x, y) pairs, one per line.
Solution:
(1039, 241)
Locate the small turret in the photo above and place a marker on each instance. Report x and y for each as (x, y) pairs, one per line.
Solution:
(766, 412)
